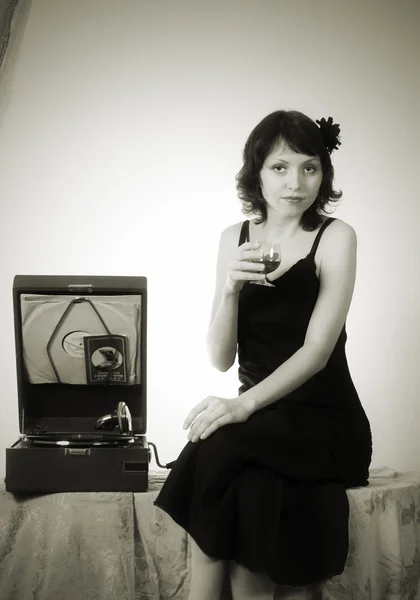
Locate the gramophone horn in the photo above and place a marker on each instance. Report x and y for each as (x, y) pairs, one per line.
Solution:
(120, 418)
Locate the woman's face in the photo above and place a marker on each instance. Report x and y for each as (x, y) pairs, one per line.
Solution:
(289, 181)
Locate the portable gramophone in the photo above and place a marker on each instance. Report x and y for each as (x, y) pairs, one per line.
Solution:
(81, 372)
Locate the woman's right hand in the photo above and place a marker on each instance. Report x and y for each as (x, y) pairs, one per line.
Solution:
(241, 269)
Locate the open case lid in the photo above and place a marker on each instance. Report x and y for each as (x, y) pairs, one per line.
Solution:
(81, 348)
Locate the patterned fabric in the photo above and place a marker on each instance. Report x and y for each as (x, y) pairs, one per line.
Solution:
(76, 546)
(119, 546)
(383, 561)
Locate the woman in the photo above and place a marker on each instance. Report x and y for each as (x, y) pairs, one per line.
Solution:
(262, 481)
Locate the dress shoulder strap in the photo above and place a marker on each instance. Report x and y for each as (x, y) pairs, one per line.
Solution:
(244, 235)
(319, 234)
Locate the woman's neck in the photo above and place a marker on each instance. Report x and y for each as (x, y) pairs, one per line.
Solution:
(279, 228)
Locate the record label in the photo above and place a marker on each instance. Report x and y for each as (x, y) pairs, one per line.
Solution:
(73, 343)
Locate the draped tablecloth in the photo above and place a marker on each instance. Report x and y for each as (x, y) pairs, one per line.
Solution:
(119, 546)
(384, 548)
(73, 546)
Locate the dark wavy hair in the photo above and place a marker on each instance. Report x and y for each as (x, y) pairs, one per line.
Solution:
(302, 135)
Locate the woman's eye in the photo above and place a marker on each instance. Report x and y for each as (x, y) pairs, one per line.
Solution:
(308, 168)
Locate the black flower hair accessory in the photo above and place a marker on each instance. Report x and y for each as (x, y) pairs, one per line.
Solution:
(330, 132)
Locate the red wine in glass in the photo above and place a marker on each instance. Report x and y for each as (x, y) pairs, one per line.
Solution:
(271, 260)
(270, 265)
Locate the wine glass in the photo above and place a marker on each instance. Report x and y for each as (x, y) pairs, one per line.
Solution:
(270, 259)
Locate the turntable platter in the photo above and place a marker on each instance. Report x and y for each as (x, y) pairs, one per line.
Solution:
(72, 440)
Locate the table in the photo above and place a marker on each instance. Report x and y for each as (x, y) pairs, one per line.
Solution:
(119, 546)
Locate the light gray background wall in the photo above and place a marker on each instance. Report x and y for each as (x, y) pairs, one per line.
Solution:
(124, 122)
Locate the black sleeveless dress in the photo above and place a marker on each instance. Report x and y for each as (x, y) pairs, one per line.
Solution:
(270, 493)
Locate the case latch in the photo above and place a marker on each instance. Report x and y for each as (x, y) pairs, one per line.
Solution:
(77, 451)
(81, 288)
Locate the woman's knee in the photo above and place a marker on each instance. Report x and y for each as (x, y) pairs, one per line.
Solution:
(199, 556)
(244, 581)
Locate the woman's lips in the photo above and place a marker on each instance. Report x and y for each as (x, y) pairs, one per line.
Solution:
(293, 199)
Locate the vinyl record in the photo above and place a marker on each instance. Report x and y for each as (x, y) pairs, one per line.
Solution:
(40, 316)
(74, 441)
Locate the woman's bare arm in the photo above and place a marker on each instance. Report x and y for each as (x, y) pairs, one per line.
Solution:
(222, 333)
(234, 267)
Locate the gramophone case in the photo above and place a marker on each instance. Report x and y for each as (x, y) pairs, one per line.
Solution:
(81, 352)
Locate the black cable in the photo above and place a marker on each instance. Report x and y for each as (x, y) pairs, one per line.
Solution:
(168, 465)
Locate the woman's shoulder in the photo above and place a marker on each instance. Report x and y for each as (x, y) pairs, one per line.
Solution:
(339, 226)
(231, 233)
(338, 233)
(235, 228)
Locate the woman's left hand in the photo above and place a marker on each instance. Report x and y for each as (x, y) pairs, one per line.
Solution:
(215, 412)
